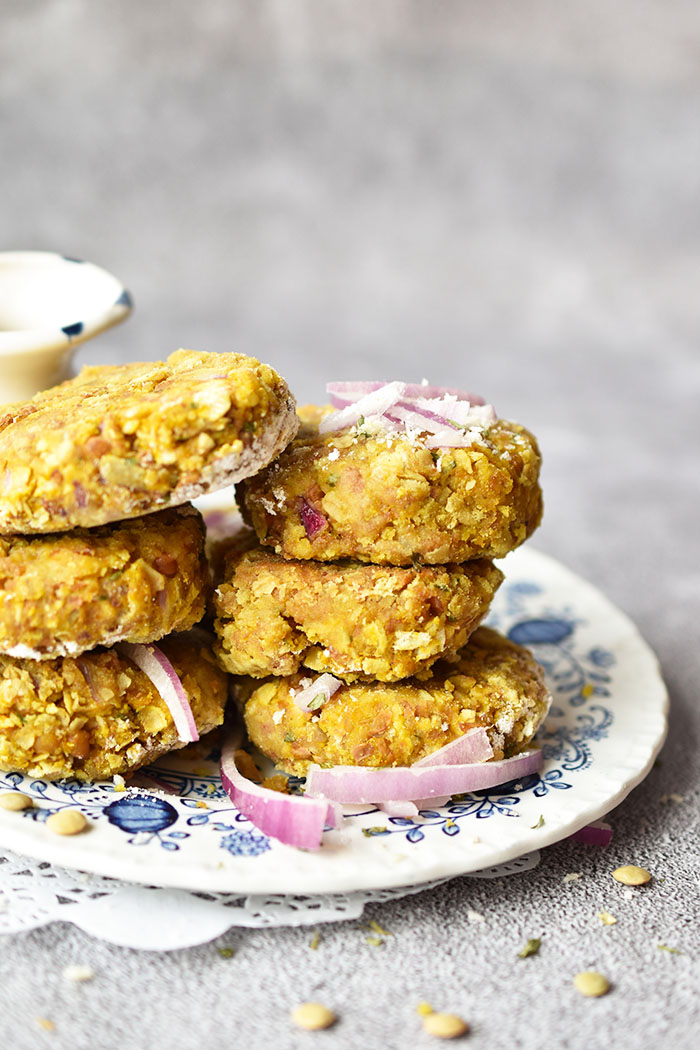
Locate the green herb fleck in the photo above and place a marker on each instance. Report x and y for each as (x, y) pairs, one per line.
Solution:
(531, 948)
(377, 830)
(673, 951)
(289, 738)
(316, 702)
(375, 941)
(315, 941)
(539, 824)
(250, 426)
(226, 953)
(332, 480)
(376, 928)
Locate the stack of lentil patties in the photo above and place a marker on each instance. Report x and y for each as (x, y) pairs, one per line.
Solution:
(101, 555)
(359, 602)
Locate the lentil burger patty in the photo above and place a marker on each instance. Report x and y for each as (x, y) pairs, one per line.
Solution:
(492, 683)
(98, 715)
(120, 441)
(353, 620)
(134, 581)
(388, 498)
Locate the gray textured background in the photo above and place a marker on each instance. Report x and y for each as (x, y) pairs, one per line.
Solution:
(503, 196)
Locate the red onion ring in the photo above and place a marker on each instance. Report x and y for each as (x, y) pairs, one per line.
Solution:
(472, 746)
(360, 785)
(156, 666)
(293, 820)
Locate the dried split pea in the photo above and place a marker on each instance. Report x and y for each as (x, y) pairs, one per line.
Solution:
(591, 983)
(631, 875)
(67, 822)
(15, 800)
(445, 1026)
(313, 1016)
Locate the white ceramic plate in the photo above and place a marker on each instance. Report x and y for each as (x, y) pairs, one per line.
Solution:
(607, 723)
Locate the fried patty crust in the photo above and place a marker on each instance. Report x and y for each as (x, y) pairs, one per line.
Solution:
(492, 683)
(124, 440)
(388, 499)
(135, 581)
(98, 715)
(274, 616)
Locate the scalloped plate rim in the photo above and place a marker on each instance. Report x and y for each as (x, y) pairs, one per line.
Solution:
(310, 874)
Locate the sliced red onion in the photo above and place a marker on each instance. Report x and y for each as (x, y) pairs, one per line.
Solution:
(156, 666)
(312, 520)
(451, 418)
(292, 819)
(596, 834)
(346, 393)
(472, 746)
(324, 686)
(359, 785)
(374, 403)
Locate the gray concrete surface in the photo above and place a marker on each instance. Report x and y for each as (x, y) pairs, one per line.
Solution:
(503, 196)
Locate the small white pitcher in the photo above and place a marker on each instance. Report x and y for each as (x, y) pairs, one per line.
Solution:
(48, 305)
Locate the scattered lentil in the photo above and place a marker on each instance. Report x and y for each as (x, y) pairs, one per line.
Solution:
(15, 801)
(376, 928)
(78, 973)
(423, 1008)
(531, 948)
(631, 875)
(591, 983)
(44, 1023)
(315, 941)
(573, 876)
(313, 1016)
(606, 918)
(67, 822)
(445, 1026)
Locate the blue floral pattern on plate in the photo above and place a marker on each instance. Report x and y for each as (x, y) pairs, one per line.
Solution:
(581, 680)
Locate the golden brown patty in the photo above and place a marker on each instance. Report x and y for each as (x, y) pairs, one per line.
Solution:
(98, 715)
(356, 621)
(124, 440)
(135, 581)
(387, 499)
(493, 683)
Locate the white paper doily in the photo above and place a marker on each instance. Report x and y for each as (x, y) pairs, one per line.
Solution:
(35, 893)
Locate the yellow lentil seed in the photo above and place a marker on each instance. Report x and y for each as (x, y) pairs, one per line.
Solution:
(67, 822)
(424, 1008)
(591, 983)
(445, 1026)
(15, 801)
(631, 875)
(313, 1016)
